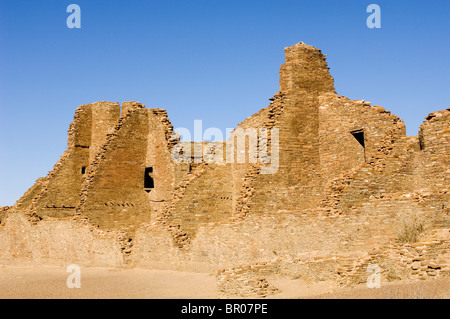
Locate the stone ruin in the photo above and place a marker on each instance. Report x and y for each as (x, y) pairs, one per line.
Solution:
(349, 181)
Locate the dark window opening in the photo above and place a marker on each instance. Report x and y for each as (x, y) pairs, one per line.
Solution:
(83, 170)
(149, 183)
(359, 136)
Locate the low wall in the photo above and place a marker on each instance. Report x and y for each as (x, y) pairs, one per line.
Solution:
(56, 242)
(257, 238)
(264, 237)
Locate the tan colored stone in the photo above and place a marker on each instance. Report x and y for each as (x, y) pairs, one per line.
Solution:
(348, 179)
(415, 265)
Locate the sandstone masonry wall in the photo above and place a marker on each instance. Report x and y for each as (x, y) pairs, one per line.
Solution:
(347, 181)
(57, 242)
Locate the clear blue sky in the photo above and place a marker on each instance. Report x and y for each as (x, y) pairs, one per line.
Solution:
(213, 60)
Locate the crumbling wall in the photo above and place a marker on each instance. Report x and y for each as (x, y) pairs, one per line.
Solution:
(24, 203)
(426, 259)
(361, 147)
(337, 194)
(104, 117)
(159, 145)
(58, 193)
(246, 175)
(168, 220)
(265, 236)
(60, 190)
(113, 195)
(339, 117)
(297, 184)
(434, 141)
(305, 69)
(213, 192)
(208, 198)
(3, 210)
(202, 193)
(395, 165)
(332, 193)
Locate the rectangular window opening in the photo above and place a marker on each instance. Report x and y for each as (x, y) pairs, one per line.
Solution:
(149, 183)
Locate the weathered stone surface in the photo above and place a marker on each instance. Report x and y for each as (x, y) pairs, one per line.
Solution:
(59, 242)
(349, 182)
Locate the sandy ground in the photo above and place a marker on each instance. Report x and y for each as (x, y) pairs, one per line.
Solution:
(51, 282)
(427, 289)
(30, 282)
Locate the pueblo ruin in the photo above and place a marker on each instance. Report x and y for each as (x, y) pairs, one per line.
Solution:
(350, 190)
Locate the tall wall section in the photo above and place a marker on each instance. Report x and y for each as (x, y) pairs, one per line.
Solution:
(434, 142)
(58, 194)
(333, 193)
(114, 194)
(396, 167)
(159, 146)
(340, 150)
(303, 78)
